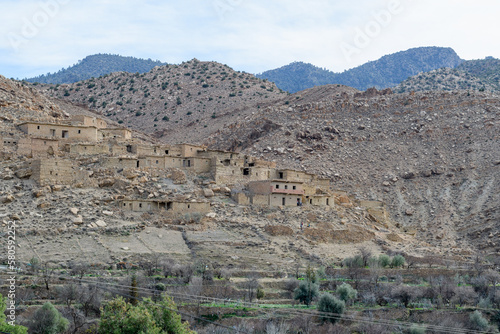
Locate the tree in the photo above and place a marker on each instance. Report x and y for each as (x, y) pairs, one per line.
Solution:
(120, 317)
(133, 290)
(306, 292)
(397, 261)
(347, 293)
(330, 304)
(48, 320)
(6, 327)
(477, 321)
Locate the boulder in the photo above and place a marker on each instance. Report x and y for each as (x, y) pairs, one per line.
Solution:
(107, 213)
(208, 192)
(77, 220)
(8, 199)
(24, 173)
(106, 183)
(74, 211)
(211, 215)
(100, 223)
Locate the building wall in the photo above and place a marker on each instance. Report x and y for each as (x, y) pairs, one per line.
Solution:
(89, 149)
(117, 162)
(89, 121)
(57, 171)
(170, 206)
(290, 200)
(190, 150)
(37, 147)
(116, 133)
(56, 131)
(236, 174)
(259, 200)
(240, 198)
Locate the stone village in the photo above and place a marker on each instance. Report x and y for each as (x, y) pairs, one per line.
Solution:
(54, 150)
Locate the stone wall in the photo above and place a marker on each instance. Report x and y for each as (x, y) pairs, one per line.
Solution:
(177, 207)
(59, 131)
(37, 147)
(89, 149)
(57, 171)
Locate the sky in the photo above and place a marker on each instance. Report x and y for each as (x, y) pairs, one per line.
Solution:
(37, 37)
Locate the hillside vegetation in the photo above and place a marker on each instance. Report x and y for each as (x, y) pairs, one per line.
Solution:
(476, 75)
(171, 98)
(96, 66)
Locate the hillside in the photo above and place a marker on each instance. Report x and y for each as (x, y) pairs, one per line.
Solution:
(171, 98)
(432, 157)
(478, 75)
(444, 79)
(96, 66)
(385, 72)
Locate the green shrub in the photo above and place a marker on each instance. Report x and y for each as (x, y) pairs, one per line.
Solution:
(306, 292)
(330, 304)
(384, 260)
(416, 329)
(48, 320)
(397, 261)
(478, 321)
(347, 293)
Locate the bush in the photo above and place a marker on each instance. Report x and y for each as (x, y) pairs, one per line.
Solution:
(397, 261)
(347, 293)
(478, 321)
(4, 326)
(353, 262)
(48, 320)
(306, 292)
(330, 304)
(384, 260)
(416, 329)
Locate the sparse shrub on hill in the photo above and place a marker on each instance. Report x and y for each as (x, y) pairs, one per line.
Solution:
(477, 321)
(48, 320)
(330, 304)
(397, 261)
(306, 292)
(347, 293)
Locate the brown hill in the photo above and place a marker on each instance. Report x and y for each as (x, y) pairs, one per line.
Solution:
(433, 157)
(186, 101)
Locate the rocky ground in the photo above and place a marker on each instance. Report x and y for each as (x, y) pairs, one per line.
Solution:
(432, 157)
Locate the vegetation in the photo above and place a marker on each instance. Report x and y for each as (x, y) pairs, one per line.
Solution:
(48, 320)
(120, 317)
(4, 325)
(95, 66)
(330, 304)
(387, 71)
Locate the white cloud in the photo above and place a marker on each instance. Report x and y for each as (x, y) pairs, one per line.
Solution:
(248, 35)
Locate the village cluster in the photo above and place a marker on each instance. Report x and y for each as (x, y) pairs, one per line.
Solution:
(53, 149)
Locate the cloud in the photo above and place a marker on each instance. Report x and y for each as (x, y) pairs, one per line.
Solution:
(248, 35)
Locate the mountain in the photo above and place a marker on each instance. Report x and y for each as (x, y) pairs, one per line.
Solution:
(298, 76)
(385, 72)
(478, 75)
(171, 98)
(96, 66)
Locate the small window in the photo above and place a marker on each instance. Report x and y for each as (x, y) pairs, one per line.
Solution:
(38, 127)
(277, 186)
(157, 162)
(294, 187)
(280, 175)
(286, 187)
(166, 151)
(124, 204)
(189, 206)
(79, 131)
(140, 205)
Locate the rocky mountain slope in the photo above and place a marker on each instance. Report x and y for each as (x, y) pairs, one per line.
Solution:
(387, 71)
(433, 157)
(478, 75)
(188, 101)
(96, 66)
(77, 222)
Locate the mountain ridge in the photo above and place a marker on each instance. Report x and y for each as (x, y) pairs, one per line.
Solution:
(387, 71)
(96, 66)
